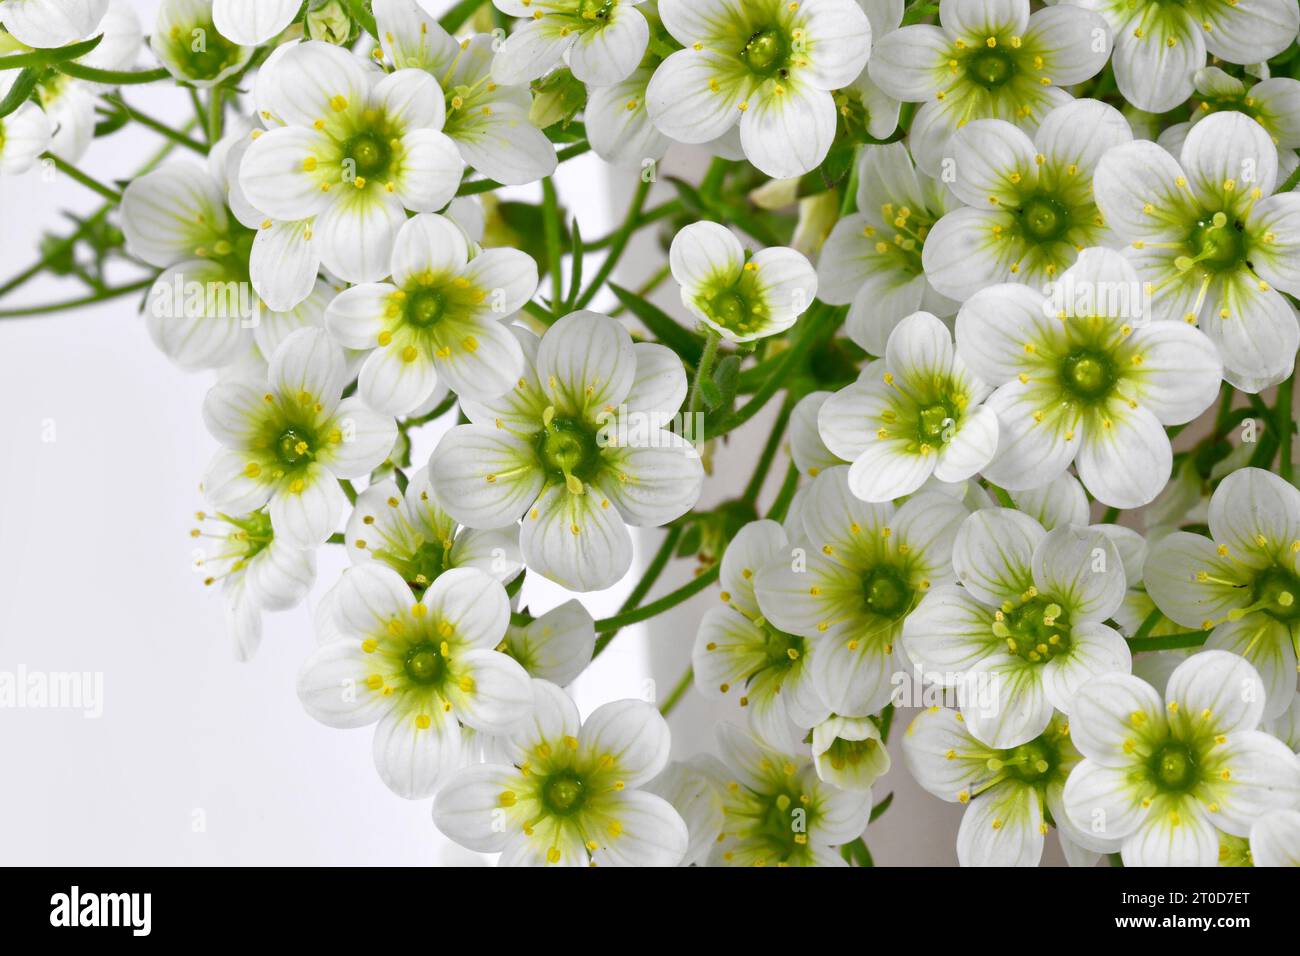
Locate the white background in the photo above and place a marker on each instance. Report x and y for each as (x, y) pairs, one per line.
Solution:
(95, 575)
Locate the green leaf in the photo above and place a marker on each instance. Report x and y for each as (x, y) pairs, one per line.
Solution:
(881, 807)
(711, 394)
(690, 542)
(727, 379)
(20, 92)
(664, 327)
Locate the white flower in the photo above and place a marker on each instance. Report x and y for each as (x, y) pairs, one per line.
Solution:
(740, 655)
(618, 122)
(1275, 839)
(864, 106)
(1160, 46)
(420, 669)
(571, 793)
(1210, 240)
(253, 22)
(411, 533)
(741, 297)
(259, 572)
(1243, 581)
(555, 647)
(358, 149)
(765, 64)
(850, 581)
(913, 415)
(487, 119)
(1029, 203)
(578, 450)
(694, 788)
(24, 134)
(1080, 376)
(601, 40)
(778, 812)
(201, 311)
(1008, 792)
(1164, 777)
(989, 59)
(1024, 630)
(873, 257)
(848, 752)
(69, 103)
(440, 319)
(809, 452)
(1273, 103)
(187, 42)
(46, 24)
(289, 440)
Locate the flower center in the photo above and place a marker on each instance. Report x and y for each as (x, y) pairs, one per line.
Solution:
(784, 650)
(1044, 219)
(424, 665)
(595, 9)
(1276, 591)
(1219, 244)
(425, 307)
(933, 424)
(1088, 374)
(294, 446)
(849, 753)
(369, 152)
(1173, 767)
(766, 52)
(990, 69)
(564, 793)
(568, 447)
(1031, 762)
(886, 593)
(1035, 630)
(204, 60)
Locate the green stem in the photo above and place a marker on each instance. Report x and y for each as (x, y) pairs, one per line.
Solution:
(646, 288)
(112, 77)
(476, 186)
(702, 371)
(554, 256)
(786, 495)
(158, 126)
(112, 195)
(1289, 183)
(216, 114)
(102, 296)
(648, 579)
(1169, 642)
(1285, 424)
(755, 486)
(649, 217)
(678, 692)
(618, 245)
(348, 490)
(1147, 626)
(654, 608)
(1110, 515)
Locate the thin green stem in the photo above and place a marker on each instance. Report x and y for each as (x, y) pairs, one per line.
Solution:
(158, 126)
(654, 282)
(104, 295)
(476, 186)
(1169, 642)
(648, 579)
(1284, 425)
(702, 371)
(618, 245)
(1289, 183)
(216, 114)
(348, 490)
(554, 255)
(1148, 624)
(112, 195)
(655, 608)
(678, 692)
(112, 77)
(765, 458)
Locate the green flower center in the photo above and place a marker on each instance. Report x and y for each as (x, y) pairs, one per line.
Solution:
(886, 593)
(1044, 219)
(568, 447)
(767, 52)
(369, 152)
(295, 446)
(1033, 761)
(934, 423)
(990, 69)
(595, 9)
(564, 793)
(424, 665)
(731, 311)
(1276, 592)
(425, 307)
(1218, 244)
(202, 52)
(1088, 374)
(849, 753)
(781, 825)
(1035, 630)
(784, 650)
(1173, 767)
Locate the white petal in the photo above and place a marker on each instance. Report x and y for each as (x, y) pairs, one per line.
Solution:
(578, 541)
(413, 760)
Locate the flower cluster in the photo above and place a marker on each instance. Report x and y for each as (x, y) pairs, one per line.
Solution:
(1012, 287)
